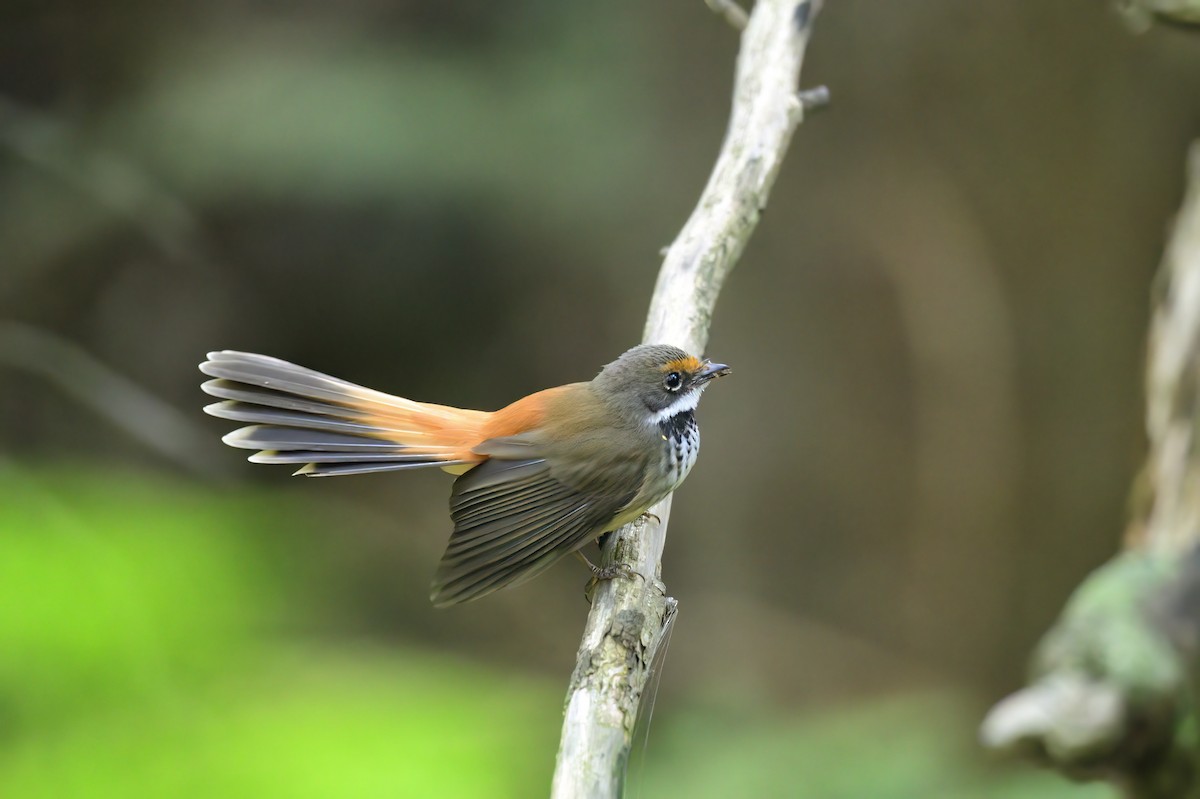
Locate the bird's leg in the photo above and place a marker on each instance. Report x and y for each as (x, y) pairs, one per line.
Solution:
(603, 573)
(606, 572)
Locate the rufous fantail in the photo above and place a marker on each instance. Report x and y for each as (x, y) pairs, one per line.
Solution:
(538, 479)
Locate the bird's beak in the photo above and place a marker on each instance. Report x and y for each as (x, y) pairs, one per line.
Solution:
(712, 371)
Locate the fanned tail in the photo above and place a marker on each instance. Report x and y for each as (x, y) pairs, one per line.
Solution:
(330, 426)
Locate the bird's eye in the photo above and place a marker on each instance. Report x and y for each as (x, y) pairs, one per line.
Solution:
(673, 381)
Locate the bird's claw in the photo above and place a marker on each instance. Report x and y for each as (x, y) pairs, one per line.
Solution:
(602, 573)
(613, 570)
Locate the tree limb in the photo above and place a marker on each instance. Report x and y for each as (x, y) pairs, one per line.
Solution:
(127, 406)
(734, 14)
(625, 627)
(1113, 688)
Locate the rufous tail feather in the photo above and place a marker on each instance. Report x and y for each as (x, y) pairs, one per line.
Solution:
(330, 426)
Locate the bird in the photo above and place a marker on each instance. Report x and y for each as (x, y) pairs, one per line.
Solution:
(536, 480)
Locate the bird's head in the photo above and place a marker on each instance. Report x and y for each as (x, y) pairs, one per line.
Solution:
(654, 382)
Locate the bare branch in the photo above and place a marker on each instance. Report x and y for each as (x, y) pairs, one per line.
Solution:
(1140, 15)
(814, 99)
(1113, 693)
(625, 627)
(734, 14)
(110, 395)
(114, 182)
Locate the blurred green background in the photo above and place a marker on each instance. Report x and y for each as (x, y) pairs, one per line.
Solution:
(937, 333)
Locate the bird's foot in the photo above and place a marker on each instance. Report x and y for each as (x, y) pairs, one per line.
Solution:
(602, 573)
(646, 517)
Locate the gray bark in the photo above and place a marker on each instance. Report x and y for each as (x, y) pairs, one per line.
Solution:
(1112, 689)
(625, 627)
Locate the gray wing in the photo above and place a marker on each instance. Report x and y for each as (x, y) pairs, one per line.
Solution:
(514, 518)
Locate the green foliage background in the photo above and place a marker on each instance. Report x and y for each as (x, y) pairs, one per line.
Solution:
(154, 654)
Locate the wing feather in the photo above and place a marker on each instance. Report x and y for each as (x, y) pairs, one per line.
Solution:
(536, 551)
(497, 530)
(512, 520)
(509, 549)
(485, 524)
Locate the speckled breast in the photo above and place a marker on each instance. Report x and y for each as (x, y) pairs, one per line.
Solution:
(681, 437)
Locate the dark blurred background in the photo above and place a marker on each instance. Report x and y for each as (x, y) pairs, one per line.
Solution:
(937, 334)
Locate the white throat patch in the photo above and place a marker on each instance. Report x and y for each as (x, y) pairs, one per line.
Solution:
(684, 404)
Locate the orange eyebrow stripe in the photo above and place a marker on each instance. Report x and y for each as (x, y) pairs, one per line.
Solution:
(689, 364)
